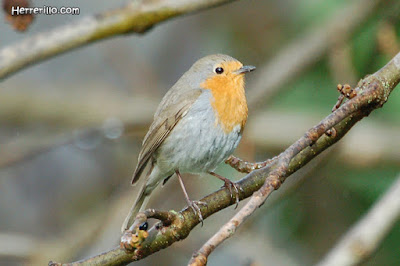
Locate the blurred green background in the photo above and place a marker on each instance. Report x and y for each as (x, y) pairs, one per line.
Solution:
(71, 129)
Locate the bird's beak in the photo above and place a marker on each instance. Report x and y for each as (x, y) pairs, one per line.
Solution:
(244, 69)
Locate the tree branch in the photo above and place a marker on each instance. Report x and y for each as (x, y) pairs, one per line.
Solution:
(137, 16)
(366, 235)
(373, 92)
(243, 166)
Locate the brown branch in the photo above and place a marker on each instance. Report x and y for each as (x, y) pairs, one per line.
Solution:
(247, 167)
(373, 92)
(365, 236)
(138, 16)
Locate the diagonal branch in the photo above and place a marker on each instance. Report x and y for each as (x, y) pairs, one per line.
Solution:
(364, 238)
(137, 16)
(373, 92)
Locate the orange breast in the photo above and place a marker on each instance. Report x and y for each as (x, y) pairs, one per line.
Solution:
(229, 98)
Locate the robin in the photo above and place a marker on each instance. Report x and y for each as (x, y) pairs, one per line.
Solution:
(197, 125)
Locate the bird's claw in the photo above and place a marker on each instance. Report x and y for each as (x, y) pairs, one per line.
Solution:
(236, 187)
(194, 205)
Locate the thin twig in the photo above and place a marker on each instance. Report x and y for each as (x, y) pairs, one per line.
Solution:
(165, 217)
(137, 16)
(373, 92)
(137, 232)
(366, 235)
(200, 257)
(245, 166)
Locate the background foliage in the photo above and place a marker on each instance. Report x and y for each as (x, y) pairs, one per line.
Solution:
(68, 188)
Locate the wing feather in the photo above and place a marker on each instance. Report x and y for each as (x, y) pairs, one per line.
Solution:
(166, 118)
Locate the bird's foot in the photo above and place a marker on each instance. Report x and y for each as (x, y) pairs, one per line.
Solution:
(231, 186)
(194, 205)
(233, 189)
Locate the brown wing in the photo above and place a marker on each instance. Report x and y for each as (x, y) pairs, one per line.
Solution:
(166, 118)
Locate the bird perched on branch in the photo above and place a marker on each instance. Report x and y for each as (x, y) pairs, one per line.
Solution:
(197, 125)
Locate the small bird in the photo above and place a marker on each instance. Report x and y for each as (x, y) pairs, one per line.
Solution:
(197, 125)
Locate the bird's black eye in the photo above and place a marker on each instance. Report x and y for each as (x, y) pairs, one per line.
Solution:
(219, 70)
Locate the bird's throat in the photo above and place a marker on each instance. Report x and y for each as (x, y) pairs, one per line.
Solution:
(229, 100)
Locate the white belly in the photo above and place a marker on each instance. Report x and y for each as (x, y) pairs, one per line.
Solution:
(197, 144)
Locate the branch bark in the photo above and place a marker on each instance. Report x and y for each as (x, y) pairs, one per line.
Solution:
(373, 92)
(137, 16)
(366, 235)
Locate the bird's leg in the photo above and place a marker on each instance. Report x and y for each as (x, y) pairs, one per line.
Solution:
(194, 204)
(229, 184)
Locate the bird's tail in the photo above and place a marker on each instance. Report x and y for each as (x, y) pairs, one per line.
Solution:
(139, 205)
(153, 177)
